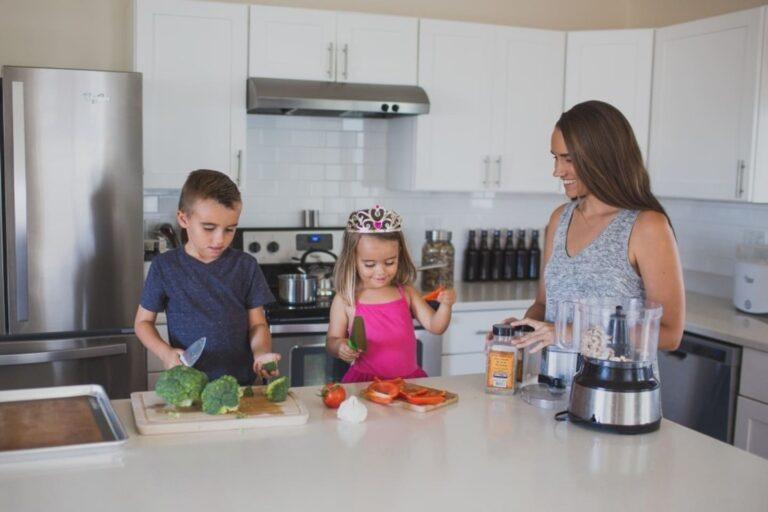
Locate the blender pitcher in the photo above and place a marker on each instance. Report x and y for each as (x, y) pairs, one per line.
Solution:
(548, 374)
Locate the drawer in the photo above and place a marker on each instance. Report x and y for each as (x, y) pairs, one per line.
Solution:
(468, 329)
(751, 427)
(754, 375)
(463, 364)
(154, 364)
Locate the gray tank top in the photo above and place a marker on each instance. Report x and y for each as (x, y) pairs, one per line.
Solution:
(601, 269)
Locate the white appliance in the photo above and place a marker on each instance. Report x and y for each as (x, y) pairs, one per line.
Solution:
(750, 279)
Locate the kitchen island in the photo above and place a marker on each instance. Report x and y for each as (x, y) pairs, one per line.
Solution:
(486, 452)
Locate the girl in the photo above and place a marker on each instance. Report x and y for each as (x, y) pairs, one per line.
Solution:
(613, 238)
(373, 279)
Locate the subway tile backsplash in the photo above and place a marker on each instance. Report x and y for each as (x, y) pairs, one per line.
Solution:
(337, 165)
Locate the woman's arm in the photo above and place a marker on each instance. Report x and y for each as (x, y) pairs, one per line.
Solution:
(261, 342)
(433, 321)
(144, 325)
(338, 327)
(653, 252)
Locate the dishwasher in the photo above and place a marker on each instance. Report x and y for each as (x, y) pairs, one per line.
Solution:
(699, 384)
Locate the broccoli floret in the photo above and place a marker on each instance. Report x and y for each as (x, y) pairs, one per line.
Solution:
(270, 366)
(181, 386)
(277, 390)
(247, 391)
(221, 395)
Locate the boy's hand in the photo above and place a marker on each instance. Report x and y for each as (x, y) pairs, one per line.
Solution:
(260, 361)
(447, 297)
(172, 357)
(347, 354)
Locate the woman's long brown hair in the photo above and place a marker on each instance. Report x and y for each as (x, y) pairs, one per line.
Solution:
(606, 156)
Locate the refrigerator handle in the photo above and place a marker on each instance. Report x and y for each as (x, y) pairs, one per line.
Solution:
(63, 355)
(18, 131)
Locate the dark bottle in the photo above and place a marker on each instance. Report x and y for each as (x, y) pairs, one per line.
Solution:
(535, 255)
(497, 257)
(522, 256)
(484, 269)
(471, 258)
(510, 257)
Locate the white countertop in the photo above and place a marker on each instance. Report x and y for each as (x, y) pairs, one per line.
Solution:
(485, 453)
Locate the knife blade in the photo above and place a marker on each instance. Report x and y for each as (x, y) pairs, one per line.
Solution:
(193, 353)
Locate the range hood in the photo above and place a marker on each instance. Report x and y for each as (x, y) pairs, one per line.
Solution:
(334, 99)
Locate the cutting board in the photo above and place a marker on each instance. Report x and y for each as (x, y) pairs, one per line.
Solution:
(450, 399)
(154, 417)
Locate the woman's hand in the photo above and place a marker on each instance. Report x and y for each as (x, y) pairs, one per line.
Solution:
(172, 357)
(347, 354)
(447, 297)
(542, 335)
(260, 361)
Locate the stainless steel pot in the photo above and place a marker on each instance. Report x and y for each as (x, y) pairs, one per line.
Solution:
(297, 288)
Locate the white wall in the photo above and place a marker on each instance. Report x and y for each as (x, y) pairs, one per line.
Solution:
(338, 165)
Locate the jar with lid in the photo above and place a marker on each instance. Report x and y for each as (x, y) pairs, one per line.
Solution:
(501, 361)
(437, 250)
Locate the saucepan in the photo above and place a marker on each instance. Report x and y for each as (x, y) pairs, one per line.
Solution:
(297, 288)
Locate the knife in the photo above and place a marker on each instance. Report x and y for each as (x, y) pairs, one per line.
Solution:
(193, 353)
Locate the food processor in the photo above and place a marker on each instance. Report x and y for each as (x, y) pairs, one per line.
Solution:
(616, 388)
(548, 373)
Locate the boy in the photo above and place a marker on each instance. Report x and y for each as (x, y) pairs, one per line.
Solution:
(208, 289)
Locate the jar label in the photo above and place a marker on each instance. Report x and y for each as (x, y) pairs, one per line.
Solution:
(500, 372)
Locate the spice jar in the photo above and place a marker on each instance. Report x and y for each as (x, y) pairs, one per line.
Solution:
(437, 250)
(501, 365)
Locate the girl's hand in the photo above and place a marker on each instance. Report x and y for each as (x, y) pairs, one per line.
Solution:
(447, 297)
(489, 336)
(172, 357)
(543, 334)
(260, 361)
(346, 354)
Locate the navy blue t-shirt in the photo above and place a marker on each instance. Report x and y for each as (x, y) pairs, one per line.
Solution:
(211, 300)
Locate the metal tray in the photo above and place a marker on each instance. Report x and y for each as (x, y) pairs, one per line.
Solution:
(102, 418)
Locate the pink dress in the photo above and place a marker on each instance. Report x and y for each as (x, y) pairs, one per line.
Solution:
(391, 349)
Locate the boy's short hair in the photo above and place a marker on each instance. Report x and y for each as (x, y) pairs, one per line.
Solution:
(207, 184)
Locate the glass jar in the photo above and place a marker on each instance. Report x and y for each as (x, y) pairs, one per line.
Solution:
(437, 250)
(501, 362)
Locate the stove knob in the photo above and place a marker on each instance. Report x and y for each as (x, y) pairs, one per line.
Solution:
(254, 247)
(273, 247)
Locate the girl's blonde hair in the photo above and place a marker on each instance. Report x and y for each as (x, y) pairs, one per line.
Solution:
(345, 271)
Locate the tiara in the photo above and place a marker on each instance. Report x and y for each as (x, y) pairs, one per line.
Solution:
(375, 220)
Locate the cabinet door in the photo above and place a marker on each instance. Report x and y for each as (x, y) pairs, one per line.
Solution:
(752, 426)
(292, 43)
(704, 101)
(193, 58)
(463, 364)
(528, 100)
(613, 66)
(454, 138)
(376, 49)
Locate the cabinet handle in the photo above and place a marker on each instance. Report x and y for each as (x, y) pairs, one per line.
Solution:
(498, 170)
(239, 167)
(345, 74)
(740, 166)
(487, 162)
(330, 61)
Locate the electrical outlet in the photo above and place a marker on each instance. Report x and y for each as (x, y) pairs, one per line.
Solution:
(753, 237)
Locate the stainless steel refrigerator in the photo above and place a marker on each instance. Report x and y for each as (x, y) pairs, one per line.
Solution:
(72, 251)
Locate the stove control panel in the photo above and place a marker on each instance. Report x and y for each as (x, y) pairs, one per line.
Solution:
(288, 245)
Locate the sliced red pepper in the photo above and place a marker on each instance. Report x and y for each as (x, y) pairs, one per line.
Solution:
(387, 388)
(434, 294)
(379, 398)
(427, 399)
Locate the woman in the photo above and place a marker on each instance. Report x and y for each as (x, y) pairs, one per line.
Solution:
(614, 238)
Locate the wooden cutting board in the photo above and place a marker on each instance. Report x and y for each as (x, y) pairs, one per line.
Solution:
(450, 399)
(153, 416)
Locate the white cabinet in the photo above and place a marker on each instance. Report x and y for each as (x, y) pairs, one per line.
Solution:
(495, 94)
(751, 426)
(308, 44)
(703, 114)
(614, 66)
(464, 341)
(193, 59)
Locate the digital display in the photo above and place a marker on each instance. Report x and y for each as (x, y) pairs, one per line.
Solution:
(307, 241)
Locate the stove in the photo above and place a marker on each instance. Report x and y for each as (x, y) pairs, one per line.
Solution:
(278, 251)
